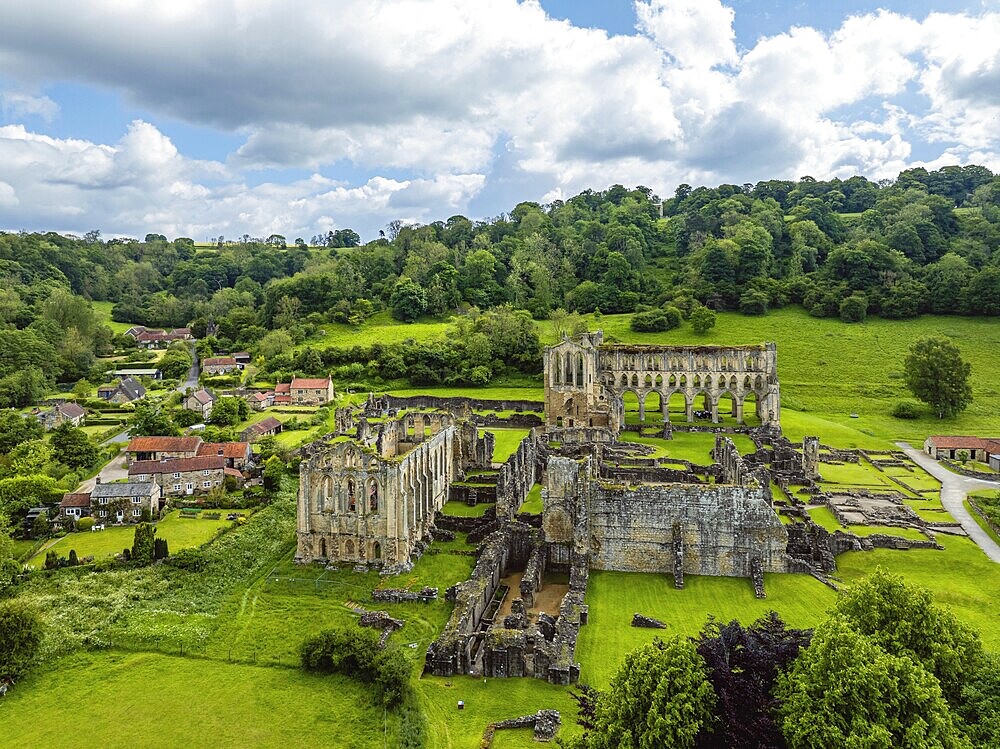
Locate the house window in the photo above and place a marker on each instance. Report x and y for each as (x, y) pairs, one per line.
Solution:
(142, 477)
(206, 472)
(102, 513)
(136, 512)
(177, 475)
(177, 487)
(136, 500)
(102, 501)
(206, 484)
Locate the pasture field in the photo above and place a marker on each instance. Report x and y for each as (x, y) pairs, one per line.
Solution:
(150, 699)
(180, 533)
(828, 369)
(103, 311)
(462, 510)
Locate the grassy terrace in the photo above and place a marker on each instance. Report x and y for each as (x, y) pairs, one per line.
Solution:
(180, 533)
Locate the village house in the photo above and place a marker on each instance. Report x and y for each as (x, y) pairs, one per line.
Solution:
(265, 428)
(126, 390)
(260, 401)
(156, 339)
(283, 394)
(181, 476)
(69, 412)
(201, 402)
(238, 455)
(124, 502)
(219, 365)
(136, 372)
(949, 447)
(159, 448)
(74, 506)
(307, 391)
(242, 357)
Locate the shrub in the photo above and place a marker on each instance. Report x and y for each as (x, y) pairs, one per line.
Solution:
(51, 559)
(753, 302)
(74, 560)
(702, 319)
(854, 308)
(355, 652)
(656, 320)
(192, 560)
(906, 410)
(21, 634)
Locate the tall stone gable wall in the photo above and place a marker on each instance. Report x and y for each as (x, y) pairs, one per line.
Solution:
(586, 380)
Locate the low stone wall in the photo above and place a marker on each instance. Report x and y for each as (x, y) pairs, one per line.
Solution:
(514, 421)
(463, 524)
(473, 495)
(960, 469)
(457, 404)
(545, 722)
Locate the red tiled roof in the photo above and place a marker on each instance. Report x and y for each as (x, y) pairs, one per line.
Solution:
(203, 397)
(77, 499)
(177, 465)
(229, 449)
(257, 397)
(262, 426)
(310, 383)
(219, 361)
(282, 388)
(232, 472)
(163, 444)
(281, 400)
(957, 442)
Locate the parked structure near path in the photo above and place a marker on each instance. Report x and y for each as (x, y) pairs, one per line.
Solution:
(586, 381)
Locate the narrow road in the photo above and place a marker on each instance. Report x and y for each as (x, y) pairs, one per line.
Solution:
(192, 376)
(113, 471)
(954, 488)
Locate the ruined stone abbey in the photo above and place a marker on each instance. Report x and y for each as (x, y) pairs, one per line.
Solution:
(371, 493)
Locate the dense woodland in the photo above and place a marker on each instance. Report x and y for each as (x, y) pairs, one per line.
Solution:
(926, 242)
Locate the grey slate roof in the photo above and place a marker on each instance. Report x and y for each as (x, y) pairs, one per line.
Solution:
(129, 489)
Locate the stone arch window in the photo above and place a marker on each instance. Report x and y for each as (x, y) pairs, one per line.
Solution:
(672, 382)
(649, 381)
(697, 381)
(373, 495)
(724, 364)
(351, 499)
(683, 381)
(567, 370)
(559, 421)
(325, 494)
(558, 372)
(376, 550)
(732, 382)
(624, 381)
(759, 383)
(749, 362)
(658, 382)
(579, 369)
(746, 383)
(322, 548)
(349, 548)
(635, 380)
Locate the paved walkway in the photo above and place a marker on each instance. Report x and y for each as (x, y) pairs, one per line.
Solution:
(113, 471)
(954, 488)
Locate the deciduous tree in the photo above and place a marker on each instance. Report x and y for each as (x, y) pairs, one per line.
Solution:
(936, 374)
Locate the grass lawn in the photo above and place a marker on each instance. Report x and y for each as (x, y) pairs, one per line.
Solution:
(692, 446)
(870, 530)
(855, 474)
(147, 699)
(507, 442)
(180, 533)
(462, 510)
(824, 518)
(486, 393)
(103, 311)
(961, 576)
(980, 521)
(614, 596)
(488, 702)
(533, 502)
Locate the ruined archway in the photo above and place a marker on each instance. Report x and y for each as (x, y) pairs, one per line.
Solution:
(677, 408)
(652, 409)
(630, 407)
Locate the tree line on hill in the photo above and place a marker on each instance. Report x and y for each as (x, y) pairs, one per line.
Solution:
(925, 242)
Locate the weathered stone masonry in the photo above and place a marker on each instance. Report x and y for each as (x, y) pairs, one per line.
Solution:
(586, 380)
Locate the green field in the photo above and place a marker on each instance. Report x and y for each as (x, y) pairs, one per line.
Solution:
(462, 510)
(507, 442)
(181, 533)
(103, 311)
(147, 699)
(828, 369)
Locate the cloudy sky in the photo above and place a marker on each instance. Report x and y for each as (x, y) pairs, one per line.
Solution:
(206, 117)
